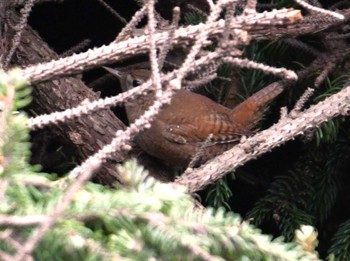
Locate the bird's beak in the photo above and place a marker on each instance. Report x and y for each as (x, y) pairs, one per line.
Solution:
(117, 73)
(120, 74)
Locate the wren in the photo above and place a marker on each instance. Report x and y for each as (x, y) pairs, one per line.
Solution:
(192, 126)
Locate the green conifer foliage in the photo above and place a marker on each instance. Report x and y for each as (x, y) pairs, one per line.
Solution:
(140, 220)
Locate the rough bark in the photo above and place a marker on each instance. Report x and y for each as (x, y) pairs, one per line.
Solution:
(86, 134)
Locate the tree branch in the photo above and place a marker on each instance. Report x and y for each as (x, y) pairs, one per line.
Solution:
(286, 129)
(255, 25)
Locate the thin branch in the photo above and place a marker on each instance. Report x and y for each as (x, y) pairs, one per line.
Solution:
(132, 24)
(327, 69)
(301, 102)
(112, 11)
(302, 46)
(250, 7)
(3, 185)
(245, 63)
(77, 48)
(5, 257)
(25, 11)
(23, 2)
(201, 38)
(22, 221)
(168, 44)
(337, 36)
(196, 9)
(153, 48)
(122, 138)
(137, 45)
(264, 141)
(194, 84)
(200, 152)
(85, 108)
(319, 10)
(315, 3)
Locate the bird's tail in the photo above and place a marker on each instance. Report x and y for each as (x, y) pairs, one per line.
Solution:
(250, 111)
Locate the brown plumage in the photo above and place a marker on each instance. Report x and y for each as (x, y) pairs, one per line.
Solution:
(183, 127)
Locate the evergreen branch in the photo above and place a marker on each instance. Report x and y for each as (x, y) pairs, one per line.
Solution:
(56, 212)
(156, 213)
(341, 243)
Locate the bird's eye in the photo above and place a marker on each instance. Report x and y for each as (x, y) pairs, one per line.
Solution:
(136, 83)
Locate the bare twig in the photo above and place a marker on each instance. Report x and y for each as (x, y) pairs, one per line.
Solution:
(152, 23)
(319, 10)
(302, 46)
(196, 9)
(22, 221)
(25, 11)
(301, 102)
(194, 84)
(57, 117)
(117, 51)
(112, 11)
(121, 139)
(132, 24)
(77, 48)
(245, 63)
(168, 44)
(200, 40)
(250, 7)
(3, 187)
(22, 2)
(200, 152)
(329, 67)
(264, 141)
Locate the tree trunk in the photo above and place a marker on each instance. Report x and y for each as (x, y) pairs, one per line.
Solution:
(86, 134)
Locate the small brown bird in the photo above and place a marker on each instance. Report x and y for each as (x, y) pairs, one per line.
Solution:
(192, 127)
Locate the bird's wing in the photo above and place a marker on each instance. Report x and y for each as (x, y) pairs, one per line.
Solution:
(214, 128)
